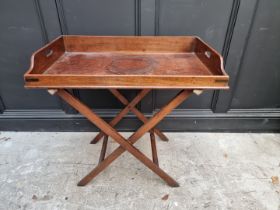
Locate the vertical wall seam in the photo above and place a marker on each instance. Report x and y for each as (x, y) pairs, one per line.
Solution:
(39, 13)
(234, 85)
(230, 28)
(226, 46)
(137, 17)
(61, 17)
(157, 16)
(2, 105)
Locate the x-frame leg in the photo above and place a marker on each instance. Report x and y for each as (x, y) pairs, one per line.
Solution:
(129, 107)
(153, 146)
(125, 144)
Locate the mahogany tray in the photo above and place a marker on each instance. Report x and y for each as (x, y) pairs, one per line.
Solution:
(158, 62)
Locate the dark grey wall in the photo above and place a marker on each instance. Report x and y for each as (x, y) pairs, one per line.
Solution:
(246, 32)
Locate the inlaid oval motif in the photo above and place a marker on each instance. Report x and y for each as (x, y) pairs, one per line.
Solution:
(134, 65)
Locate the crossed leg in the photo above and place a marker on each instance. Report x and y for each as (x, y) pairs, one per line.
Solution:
(129, 107)
(125, 144)
(119, 116)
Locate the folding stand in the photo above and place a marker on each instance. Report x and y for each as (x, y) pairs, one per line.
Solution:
(107, 129)
(130, 107)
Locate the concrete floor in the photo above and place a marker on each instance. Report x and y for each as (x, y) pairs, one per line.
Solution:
(215, 171)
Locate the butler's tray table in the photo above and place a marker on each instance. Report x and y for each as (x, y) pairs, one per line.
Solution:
(145, 63)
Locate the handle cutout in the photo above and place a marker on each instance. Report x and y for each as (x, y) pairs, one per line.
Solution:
(208, 54)
(48, 53)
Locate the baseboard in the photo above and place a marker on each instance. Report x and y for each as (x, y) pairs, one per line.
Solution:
(257, 120)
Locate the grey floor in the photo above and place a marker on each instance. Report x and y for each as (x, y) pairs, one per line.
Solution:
(215, 171)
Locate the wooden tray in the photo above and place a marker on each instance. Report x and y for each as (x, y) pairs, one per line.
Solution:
(175, 62)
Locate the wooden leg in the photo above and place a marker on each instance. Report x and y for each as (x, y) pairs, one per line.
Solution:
(138, 114)
(119, 116)
(103, 149)
(154, 147)
(125, 144)
(138, 134)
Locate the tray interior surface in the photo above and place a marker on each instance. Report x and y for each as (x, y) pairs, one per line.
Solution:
(128, 63)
